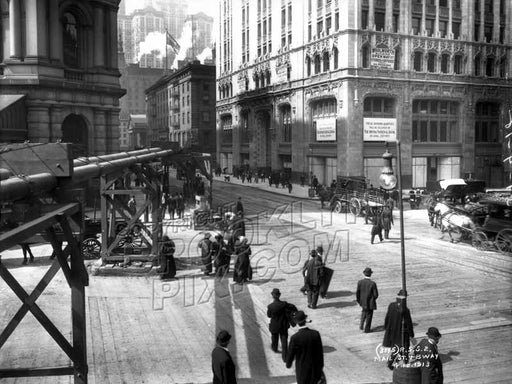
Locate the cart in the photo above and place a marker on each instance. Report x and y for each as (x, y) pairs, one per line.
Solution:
(352, 195)
(91, 247)
(495, 230)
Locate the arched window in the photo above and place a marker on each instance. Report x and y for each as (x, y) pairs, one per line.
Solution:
(75, 131)
(268, 78)
(398, 56)
(457, 64)
(286, 123)
(326, 62)
(431, 62)
(418, 61)
(489, 67)
(256, 81)
(335, 57)
(478, 69)
(317, 64)
(445, 60)
(503, 67)
(308, 65)
(70, 40)
(366, 56)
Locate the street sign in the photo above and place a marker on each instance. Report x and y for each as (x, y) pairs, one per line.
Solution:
(379, 129)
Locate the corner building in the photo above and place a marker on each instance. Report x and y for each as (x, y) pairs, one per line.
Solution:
(297, 79)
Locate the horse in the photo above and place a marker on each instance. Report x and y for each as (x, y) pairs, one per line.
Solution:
(452, 221)
(440, 209)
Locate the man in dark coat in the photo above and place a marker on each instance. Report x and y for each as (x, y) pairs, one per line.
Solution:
(279, 323)
(206, 253)
(243, 270)
(223, 366)
(377, 226)
(313, 272)
(397, 318)
(366, 296)
(427, 354)
(387, 220)
(239, 208)
(307, 351)
(167, 263)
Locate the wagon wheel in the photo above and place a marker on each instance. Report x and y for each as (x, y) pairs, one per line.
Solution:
(339, 206)
(91, 249)
(120, 227)
(503, 241)
(479, 240)
(355, 206)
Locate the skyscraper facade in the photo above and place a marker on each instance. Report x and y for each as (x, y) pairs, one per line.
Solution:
(318, 87)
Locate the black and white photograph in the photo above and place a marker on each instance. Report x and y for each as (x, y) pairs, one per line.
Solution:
(255, 191)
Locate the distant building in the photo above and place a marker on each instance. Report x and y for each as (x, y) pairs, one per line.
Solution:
(154, 16)
(138, 132)
(181, 107)
(316, 87)
(202, 31)
(59, 64)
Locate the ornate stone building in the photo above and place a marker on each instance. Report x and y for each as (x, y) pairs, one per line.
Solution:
(305, 85)
(62, 56)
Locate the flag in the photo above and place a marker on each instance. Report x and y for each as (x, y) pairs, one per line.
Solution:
(173, 43)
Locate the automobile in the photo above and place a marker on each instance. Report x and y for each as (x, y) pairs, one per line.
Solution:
(460, 189)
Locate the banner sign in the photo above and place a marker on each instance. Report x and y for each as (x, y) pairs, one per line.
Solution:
(326, 129)
(379, 129)
(382, 58)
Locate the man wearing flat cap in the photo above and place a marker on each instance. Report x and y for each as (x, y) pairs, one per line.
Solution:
(307, 351)
(398, 328)
(223, 366)
(427, 354)
(366, 296)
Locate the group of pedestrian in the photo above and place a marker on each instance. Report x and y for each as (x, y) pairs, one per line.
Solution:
(305, 348)
(174, 204)
(399, 331)
(382, 220)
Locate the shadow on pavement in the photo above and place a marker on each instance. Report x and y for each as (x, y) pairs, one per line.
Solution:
(328, 349)
(338, 304)
(334, 294)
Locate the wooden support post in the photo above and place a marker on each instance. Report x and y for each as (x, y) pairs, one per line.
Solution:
(104, 217)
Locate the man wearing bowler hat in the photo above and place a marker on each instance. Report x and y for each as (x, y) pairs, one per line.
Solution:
(307, 351)
(223, 366)
(279, 323)
(366, 296)
(427, 354)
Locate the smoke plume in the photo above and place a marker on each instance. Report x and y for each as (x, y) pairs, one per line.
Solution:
(205, 55)
(185, 42)
(154, 43)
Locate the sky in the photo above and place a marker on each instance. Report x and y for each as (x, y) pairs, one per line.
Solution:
(194, 6)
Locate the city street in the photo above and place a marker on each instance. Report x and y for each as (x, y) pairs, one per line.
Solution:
(143, 330)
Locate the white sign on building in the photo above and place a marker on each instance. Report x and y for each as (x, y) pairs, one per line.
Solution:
(326, 129)
(379, 129)
(382, 58)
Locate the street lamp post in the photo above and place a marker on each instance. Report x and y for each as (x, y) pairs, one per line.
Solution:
(388, 181)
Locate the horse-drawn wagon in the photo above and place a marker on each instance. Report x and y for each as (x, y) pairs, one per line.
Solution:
(494, 230)
(353, 195)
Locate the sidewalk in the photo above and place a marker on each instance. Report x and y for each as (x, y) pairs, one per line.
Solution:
(297, 190)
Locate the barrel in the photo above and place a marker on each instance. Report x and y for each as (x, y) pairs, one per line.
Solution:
(407, 373)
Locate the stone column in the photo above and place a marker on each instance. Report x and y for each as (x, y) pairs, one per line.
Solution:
(450, 19)
(55, 32)
(482, 21)
(4, 25)
(496, 21)
(423, 28)
(15, 29)
(99, 138)
(31, 23)
(436, 22)
(55, 125)
(99, 40)
(38, 119)
(389, 16)
(113, 39)
(371, 15)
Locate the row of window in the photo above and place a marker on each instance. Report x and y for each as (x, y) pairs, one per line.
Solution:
(433, 121)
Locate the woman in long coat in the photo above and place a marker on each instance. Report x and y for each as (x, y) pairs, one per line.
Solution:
(167, 263)
(243, 270)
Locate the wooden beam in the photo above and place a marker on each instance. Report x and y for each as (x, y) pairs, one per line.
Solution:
(32, 372)
(79, 269)
(37, 312)
(62, 256)
(15, 236)
(38, 290)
